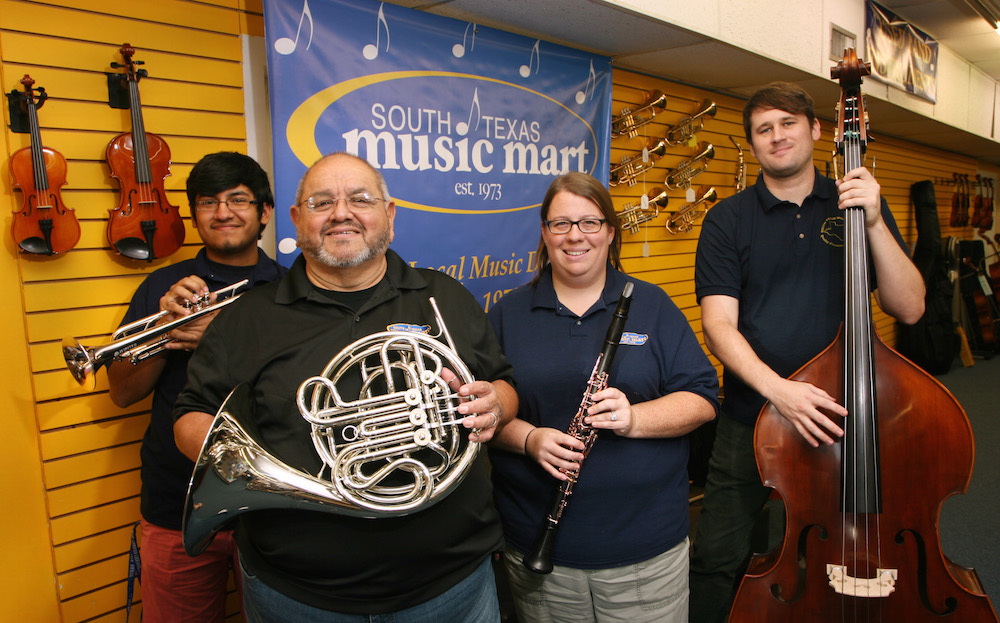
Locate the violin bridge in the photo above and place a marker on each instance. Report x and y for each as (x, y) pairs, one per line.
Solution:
(881, 585)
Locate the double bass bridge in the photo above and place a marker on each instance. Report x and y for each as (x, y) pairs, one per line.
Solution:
(882, 585)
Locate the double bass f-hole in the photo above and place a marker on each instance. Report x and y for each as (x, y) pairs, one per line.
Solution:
(43, 225)
(861, 542)
(144, 226)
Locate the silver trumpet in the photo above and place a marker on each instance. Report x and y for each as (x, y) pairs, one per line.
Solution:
(633, 215)
(628, 120)
(686, 128)
(631, 167)
(681, 176)
(139, 340)
(683, 220)
(384, 424)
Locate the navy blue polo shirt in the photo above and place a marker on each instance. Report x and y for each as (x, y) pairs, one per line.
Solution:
(631, 501)
(785, 265)
(165, 471)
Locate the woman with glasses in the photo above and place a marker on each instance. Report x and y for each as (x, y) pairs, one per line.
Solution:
(621, 550)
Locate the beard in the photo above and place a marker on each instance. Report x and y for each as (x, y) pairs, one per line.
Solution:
(314, 248)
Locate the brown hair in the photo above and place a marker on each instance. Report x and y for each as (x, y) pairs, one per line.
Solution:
(782, 96)
(585, 186)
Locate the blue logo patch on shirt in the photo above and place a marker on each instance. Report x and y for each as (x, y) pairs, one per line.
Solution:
(633, 339)
(412, 328)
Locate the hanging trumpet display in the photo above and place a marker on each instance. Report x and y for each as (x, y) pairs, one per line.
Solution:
(741, 168)
(139, 340)
(681, 176)
(629, 120)
(631, 167)
(683, 220)
(647, 208)
(685, 129)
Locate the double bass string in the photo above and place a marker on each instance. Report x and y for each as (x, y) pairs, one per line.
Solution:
(862, 510)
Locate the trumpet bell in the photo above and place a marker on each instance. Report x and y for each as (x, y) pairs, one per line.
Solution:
(80, 363)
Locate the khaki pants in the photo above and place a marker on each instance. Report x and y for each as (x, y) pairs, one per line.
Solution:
(652, 590)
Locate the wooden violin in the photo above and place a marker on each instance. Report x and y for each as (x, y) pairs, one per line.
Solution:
(144, 226)
(43, 225)
(861, 541)
(994, 266)
(987, 311)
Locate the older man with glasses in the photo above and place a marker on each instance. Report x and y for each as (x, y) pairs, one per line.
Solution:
(301, 565)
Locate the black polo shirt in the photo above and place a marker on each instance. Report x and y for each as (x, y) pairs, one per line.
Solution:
(278, 336)
(785, 265)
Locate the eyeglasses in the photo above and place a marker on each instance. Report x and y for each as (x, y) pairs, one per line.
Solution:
(236, 204)
(586, 225)
(359, 202)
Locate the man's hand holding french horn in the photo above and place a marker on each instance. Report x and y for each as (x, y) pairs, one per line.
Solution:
(489, 405)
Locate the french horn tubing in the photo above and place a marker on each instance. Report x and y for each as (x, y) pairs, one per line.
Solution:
(631, 167)
(383, 422)
(633, 215)
(686, 128)
(683, 220)
(681, 176)
(139, 340)
(629, 120)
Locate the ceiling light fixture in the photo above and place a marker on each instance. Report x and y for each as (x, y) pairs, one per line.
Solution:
(989, 10)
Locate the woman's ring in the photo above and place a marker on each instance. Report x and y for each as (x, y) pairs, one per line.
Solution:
(614, 416)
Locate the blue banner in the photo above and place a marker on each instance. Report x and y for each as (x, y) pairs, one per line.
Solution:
(469, 125)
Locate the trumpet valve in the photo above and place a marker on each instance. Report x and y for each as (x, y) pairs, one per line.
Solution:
(626, 173)
(629, 120)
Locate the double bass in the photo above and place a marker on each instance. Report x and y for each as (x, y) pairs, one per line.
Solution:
(144, 226)
(861, 538)
(43, 225)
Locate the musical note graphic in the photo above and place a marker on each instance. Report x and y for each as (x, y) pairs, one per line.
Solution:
(459, 48)
(371, 50)
(285, 45)
(534, 58)
(462, 127)
(588, 90)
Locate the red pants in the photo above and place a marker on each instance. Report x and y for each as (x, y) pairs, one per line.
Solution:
(177, 588)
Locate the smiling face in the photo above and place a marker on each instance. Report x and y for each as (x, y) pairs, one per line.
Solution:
(230, 236)
(782, 142)
(342, 236)
(576, 257)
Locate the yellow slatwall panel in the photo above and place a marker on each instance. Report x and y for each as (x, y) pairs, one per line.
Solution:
(669, 258)
(79, 453)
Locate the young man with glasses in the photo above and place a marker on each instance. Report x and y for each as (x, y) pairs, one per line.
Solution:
(231, 203)
(302, 565)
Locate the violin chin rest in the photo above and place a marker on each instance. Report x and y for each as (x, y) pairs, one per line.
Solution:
(35, 245)
(135, 248)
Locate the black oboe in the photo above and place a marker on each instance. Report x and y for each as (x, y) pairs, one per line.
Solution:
(539, 559)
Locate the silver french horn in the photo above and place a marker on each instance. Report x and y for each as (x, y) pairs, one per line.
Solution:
(390, 448)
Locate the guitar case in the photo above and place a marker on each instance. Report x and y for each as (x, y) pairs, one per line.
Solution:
(931, 343)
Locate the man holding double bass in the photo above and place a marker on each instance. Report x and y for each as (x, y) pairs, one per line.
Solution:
(231, 203)
(769, 276)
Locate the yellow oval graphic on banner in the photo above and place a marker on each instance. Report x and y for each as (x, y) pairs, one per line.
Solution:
(301, 129)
